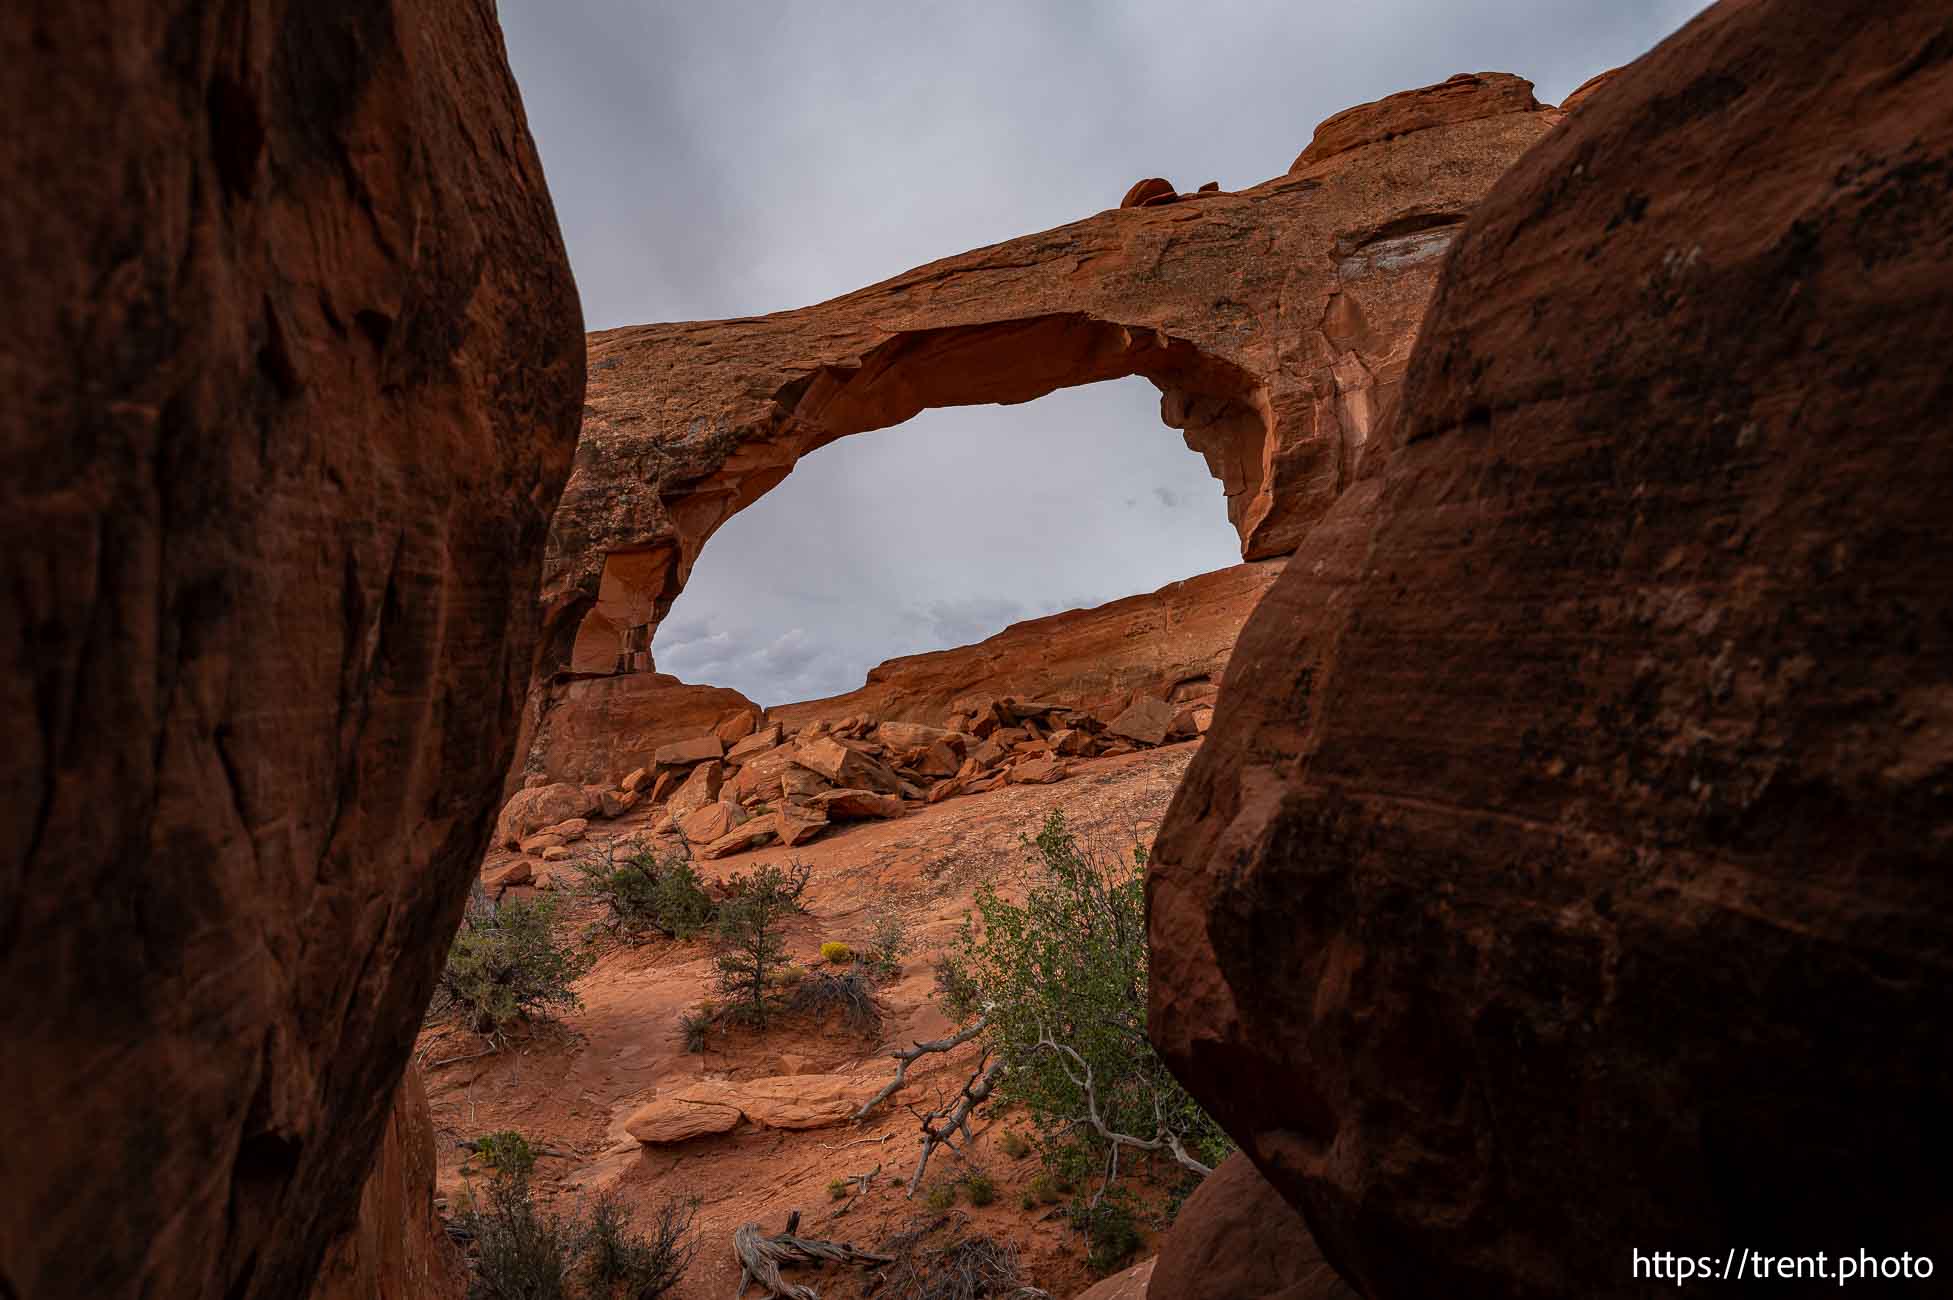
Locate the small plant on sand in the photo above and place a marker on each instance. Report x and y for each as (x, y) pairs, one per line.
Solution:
(838, 1189)
(887, 944)
(752, 943)
(504, 1152)
(507, 963)
(1012, 1144)
(980, 1188)
(836, 953)
(696, 1025)
(522, 1252)
(851, 994)
(940, 1197)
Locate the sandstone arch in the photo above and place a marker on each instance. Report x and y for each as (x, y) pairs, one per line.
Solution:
(1275, 320)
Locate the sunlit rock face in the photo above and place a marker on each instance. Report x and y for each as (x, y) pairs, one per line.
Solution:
(292, 371)
(1568, 867)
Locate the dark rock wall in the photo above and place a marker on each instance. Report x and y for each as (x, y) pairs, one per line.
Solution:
(290, 371)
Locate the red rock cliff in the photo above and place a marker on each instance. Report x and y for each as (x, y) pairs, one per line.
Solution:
(292, 369)
(1568, 870)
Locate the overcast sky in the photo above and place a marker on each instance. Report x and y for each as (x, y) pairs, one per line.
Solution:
(714, 158)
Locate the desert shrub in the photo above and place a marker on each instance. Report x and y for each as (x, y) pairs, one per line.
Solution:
(887, 944)
(836, 953)
(1045, 1188)
(1111, 1232)
(838, 1189)
(505, 1152)
(940, 1196)
(785, 885)
(751, 942)
(851, 995)
(696, 1025)
(980, 1188)
(1069, 963)
(963, 1266)
(1012, 1144)
(508, 964)
(620, 1263)
(642, 894)
(521, 1251)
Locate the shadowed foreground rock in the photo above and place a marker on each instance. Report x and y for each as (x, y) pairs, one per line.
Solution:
(289, 380)
(1568, 869)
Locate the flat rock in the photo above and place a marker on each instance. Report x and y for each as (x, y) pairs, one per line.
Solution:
(1038, 771)
(791, 1101)
(908, 735)
(846, 805)
(746, 835)
(799, 822)
(844, 766)
(1145, 721)
(759, 742)
(684, 753)
(514, 872)
(528, 811)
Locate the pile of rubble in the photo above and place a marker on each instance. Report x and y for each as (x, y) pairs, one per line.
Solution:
(750, 782)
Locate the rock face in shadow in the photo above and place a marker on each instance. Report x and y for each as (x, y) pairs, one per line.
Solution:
(1568, 869)
(1237, 1239)
(293, 363)
(398, 1246)
(1275, 320)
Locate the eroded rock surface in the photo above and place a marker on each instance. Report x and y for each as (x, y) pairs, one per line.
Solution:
(1276, 321)
(293, 364)
(1568, 867)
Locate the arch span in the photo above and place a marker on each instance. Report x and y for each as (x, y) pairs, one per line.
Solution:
(1275, 321)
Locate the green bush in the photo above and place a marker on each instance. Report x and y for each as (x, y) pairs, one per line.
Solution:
(643, 894)
(505, 1152)
(1070, 962)
(1012, 1144)
(838, 1189)
(940, 1196)
(507, 964)
(752, 943)
(521, 1252)
(1045, 1188)
(1111, 1233)
(696, 1026)
(622, 1264)
(980, 1188)
(836, 953)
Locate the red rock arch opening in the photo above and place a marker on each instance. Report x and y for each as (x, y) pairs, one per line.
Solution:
(1221, 409)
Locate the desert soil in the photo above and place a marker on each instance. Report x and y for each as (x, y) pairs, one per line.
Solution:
(570, 1086)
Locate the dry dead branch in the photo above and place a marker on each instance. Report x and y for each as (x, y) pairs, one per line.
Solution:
(761, 1257)
(940, 1126)
(907, 1056)
(1164, 1139)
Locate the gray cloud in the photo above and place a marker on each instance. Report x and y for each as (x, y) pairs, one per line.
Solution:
(713, 160)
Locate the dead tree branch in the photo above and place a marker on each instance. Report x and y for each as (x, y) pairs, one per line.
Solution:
(761, 1257)
(1164, 1139)
(907, 1056)
(940, 1127)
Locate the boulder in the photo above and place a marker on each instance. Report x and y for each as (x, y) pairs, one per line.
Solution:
(1463, 98)
(908, 735)
(937, 760)
(942, 790)
(847, 805)
(1128, 1284)
(737, 727)
(538, 842)
(792, 1101)
(797, 782)
(529, 810)
(713, 821)
(759, 742)
(699, 789)
(516, 871)
(845, 767)
(684, 753)
(568, 831)
(618, 802)
(666, 783)
(988, 754)
(746, 835)
(1038, 771)
(556, 853)
(1070, 741)
(1237, 1239)
(799, 822)
(700, 1111)
(1146, 721)
(1568, 864)
(1144, 192)
(634, 781)
(761, 773)
(595, 727)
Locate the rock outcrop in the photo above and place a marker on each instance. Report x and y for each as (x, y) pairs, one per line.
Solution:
(398, 1246)
(594, 728)
(1568, 869)
(293, 364)
(1275, 320)
(1092, 659)
(1466, 97)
